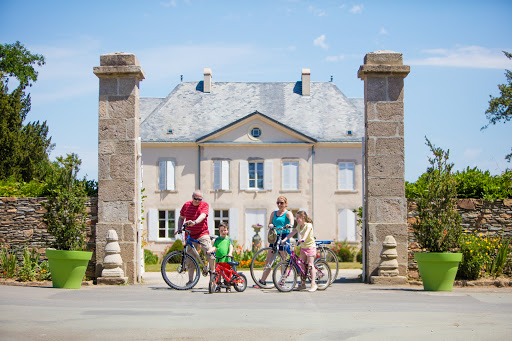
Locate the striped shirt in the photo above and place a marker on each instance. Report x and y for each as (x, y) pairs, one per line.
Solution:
(191, 212)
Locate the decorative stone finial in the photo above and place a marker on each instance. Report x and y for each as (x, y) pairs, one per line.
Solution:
(389, 263)
(112, 262)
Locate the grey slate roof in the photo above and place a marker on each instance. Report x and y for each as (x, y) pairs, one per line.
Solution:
(325, 115)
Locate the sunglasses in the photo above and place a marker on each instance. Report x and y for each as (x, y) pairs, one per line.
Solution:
(198, 199)
(280, 202)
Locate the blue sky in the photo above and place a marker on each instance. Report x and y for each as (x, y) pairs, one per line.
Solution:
(453, 47)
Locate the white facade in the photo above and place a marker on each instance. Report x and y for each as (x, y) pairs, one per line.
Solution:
(241, 177)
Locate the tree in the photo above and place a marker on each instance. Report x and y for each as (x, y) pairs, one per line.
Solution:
(500, 108)
(23, 148)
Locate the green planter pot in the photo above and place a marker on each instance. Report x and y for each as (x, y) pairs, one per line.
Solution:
(438, 270)
(68, 267)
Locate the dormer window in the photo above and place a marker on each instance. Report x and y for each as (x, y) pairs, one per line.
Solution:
(255, 132)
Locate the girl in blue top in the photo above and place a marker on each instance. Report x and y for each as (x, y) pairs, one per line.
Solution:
(281, 218)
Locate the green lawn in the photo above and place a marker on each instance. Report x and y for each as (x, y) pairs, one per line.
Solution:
(343, 265)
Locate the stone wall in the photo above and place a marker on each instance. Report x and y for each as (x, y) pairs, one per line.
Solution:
(492, 218)
(21, 224)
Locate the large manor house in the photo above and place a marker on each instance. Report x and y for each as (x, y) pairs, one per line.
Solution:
(245, 144)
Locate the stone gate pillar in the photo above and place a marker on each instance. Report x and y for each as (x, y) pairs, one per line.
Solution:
(383, 74)
(118, 168)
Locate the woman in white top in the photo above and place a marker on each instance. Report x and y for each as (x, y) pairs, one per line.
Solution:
(308, 246)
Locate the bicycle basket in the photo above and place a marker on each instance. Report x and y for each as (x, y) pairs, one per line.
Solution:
(272, 236)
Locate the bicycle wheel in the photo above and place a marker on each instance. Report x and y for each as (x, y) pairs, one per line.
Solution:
(331, 258)
(284, 276)
(177, 269)
(240, 283)
(259, 265)
(323, 274)
(213, 283)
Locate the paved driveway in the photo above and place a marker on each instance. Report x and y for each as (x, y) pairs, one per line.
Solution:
(348, 310)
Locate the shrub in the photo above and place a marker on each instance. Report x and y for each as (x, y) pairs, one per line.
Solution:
(28, 271)
(9, 263)
(44, 272)
(343, 251)
(501, 258)
(470, 183)
(176, 246)
(65, 209)
(478, 253)
(150, 257)
(437, 228)
(359, 256)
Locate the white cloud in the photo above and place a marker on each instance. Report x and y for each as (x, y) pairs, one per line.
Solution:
(383, 31)
(171, 3)
(317, 11)
(320, 41)
(357, 9)
(465, 56)
(334, 58)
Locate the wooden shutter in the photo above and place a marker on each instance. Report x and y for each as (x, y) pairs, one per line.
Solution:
(152, 225)
(244, 175)
(267, 174)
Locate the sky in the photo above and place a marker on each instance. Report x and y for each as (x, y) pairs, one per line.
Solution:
(454, 49)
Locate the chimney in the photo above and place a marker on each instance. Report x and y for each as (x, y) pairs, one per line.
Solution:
(207, 85)
(306, 80)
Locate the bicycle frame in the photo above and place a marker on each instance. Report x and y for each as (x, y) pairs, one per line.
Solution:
(297, 262)
(275, 250)
(205, 266)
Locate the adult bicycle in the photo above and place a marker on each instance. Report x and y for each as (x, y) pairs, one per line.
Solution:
(181, 269)
(326, 253)
(285, 273)
(260, 261)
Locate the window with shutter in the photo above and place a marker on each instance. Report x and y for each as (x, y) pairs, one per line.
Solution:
(346, 176)
(290, 175)
(221, 175)
(166, 175)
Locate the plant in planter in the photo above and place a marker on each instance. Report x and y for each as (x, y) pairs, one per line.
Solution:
(65, 218)
(437, 228)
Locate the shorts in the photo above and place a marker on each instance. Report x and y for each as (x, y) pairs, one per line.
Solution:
(206, 244)
(281, 246)
(308, 251)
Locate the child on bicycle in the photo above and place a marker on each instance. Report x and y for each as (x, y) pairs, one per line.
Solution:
(308, 246)
(223, 245)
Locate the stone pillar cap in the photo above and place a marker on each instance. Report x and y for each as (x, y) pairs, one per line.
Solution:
(119, 64)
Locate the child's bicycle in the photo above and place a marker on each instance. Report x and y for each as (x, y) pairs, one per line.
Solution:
(285, 273)
(226, 276)
(181, 269)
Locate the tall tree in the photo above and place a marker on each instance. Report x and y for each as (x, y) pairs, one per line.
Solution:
(22, 147)
(500, 108)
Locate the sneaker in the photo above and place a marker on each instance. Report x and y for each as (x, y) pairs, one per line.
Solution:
(261, 282)
(301, 286)
(189, 283)
(313, 288)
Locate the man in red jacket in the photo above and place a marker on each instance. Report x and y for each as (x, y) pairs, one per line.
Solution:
(193, 215)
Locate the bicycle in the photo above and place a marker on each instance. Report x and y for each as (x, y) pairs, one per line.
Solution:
(227, 271)
(261, 257)
(181, 270)
(330, 257)
(285, 273)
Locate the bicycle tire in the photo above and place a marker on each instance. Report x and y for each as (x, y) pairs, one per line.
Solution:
(255, 276)
(241, 286)
(213, 283)
(175, 268)
(284, 276)
(331, 258)
(323, 274)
